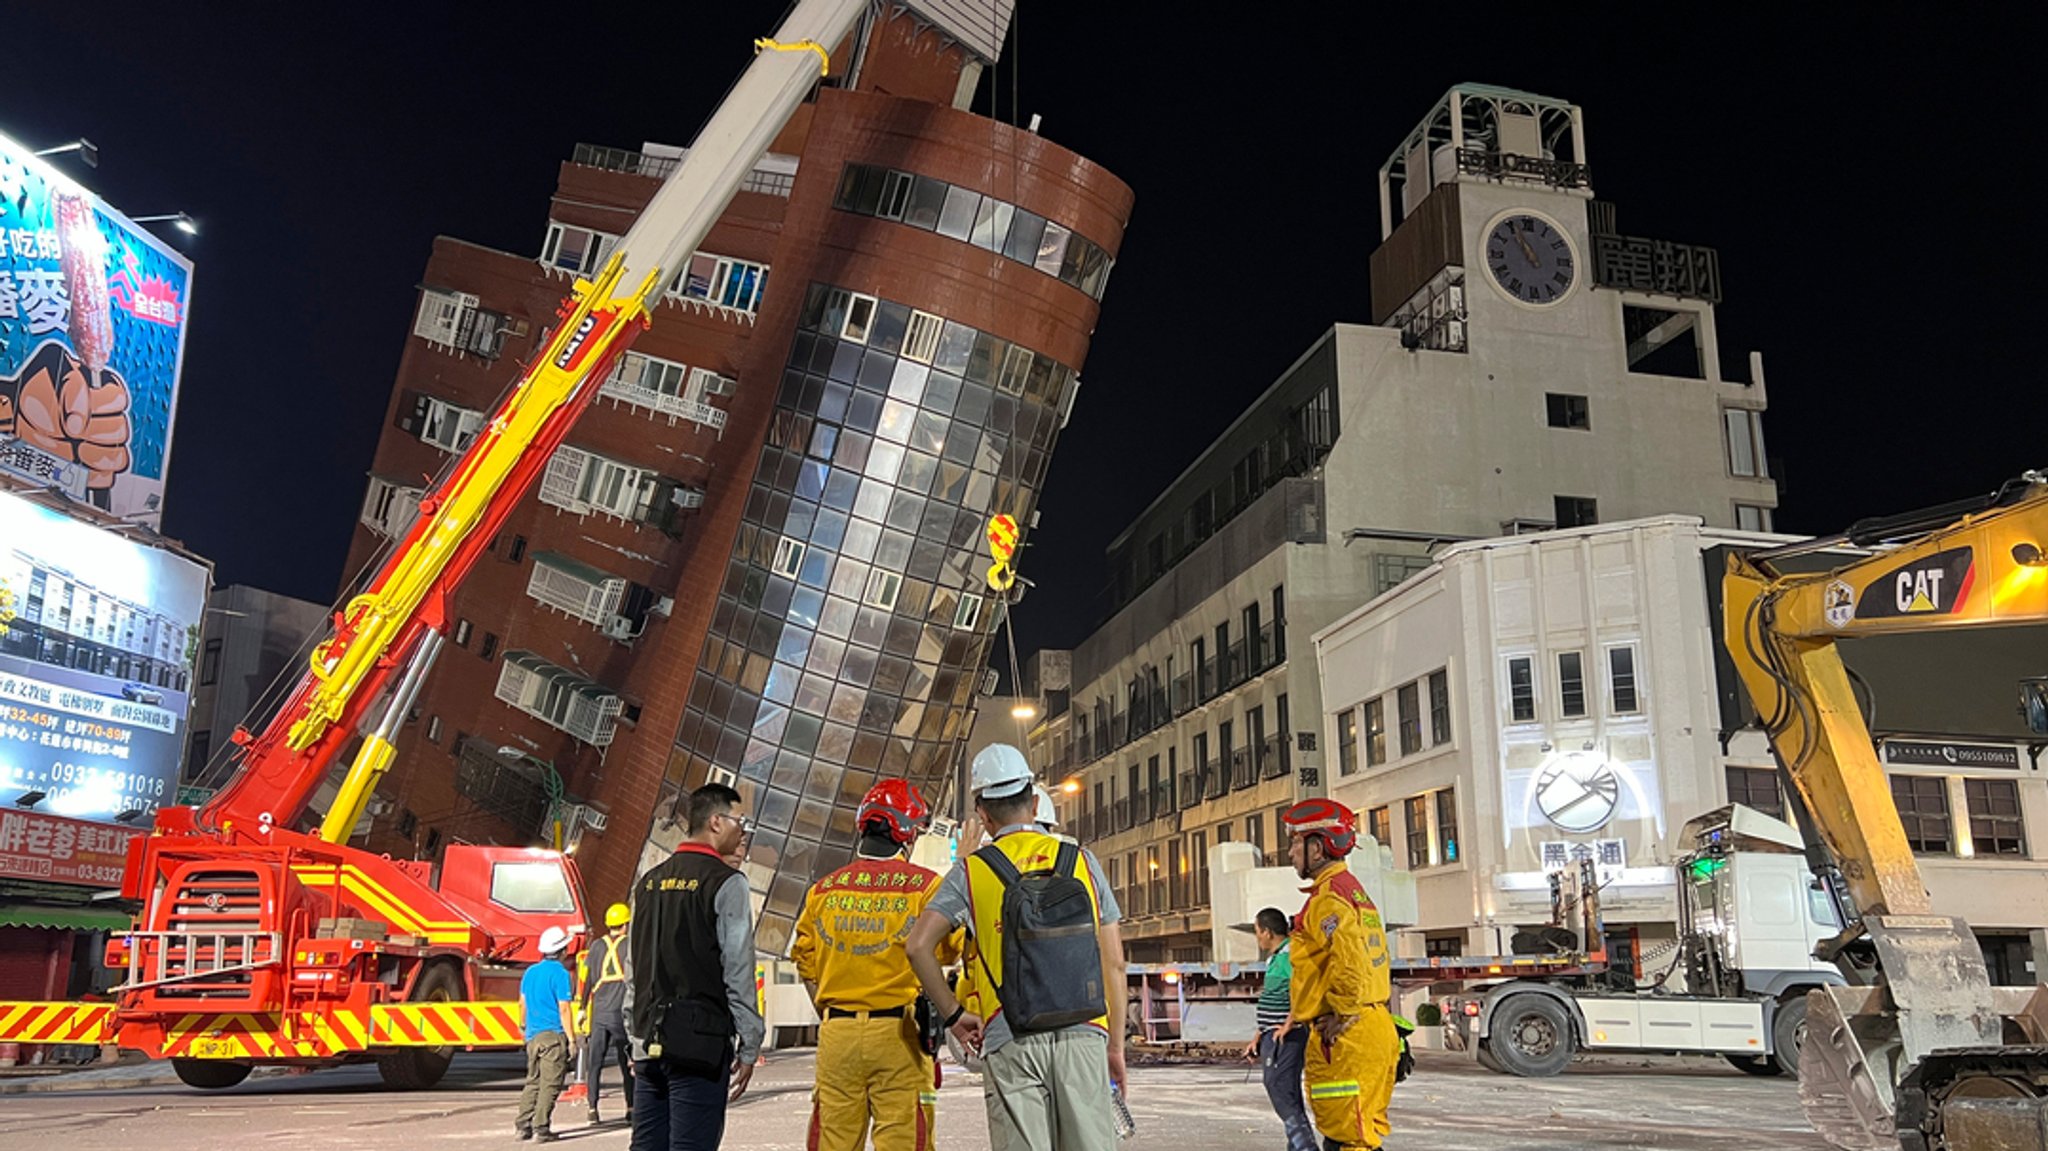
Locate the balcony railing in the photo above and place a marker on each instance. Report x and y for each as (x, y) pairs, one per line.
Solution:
(763, 180)
(1183, 694)
(1273, 757)
(1158, 895)
(1162, 801)
(1235, 668)
(1242, 773)
(1120, 815)
(1205, 687)
(1141, 808)
(674, 407)
(1190, 792)
(1216, 780)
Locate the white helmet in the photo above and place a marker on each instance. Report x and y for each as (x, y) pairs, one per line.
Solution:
(1046, 817)
(999, 772)
(554, 941)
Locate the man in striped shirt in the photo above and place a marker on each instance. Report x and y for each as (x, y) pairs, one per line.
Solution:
(1280, 1046)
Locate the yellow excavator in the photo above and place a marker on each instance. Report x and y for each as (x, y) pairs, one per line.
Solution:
(1920, 1051)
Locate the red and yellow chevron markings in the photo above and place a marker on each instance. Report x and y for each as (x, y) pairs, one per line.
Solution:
(56, 1022)
(447, 1024)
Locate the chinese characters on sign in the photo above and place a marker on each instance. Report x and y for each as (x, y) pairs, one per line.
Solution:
(1609, 856)
(1637, 264)
(58, 850)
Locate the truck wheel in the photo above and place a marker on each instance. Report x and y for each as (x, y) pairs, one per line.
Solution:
(418, 1068)
(1754, 1064)
(1531, 1036)
(1786, 1031)
(210, 1074)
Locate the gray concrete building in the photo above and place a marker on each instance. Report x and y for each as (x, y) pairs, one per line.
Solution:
(248, 637)
(1527, 367)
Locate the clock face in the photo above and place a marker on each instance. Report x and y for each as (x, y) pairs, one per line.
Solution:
(1578, 793)
(1531, 259)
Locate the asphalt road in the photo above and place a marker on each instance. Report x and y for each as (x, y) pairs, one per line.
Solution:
(1448, 1106)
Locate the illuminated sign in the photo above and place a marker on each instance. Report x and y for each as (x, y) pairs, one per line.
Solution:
(97, 638)
(92, 339)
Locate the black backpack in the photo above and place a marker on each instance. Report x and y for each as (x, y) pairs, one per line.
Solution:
(1052, 961)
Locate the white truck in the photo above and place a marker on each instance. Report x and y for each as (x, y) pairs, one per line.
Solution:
(1750, 915)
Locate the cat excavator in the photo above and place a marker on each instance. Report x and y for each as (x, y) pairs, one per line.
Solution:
(1919, 1051)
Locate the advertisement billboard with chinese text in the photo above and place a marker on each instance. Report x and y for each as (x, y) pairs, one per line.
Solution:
(97, 639)
(56, 850)
(92, 338)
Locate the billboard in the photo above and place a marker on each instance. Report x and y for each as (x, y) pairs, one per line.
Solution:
(97, 638)
(92, 337)
(57, 850)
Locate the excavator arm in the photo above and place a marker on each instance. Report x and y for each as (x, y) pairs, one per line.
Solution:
(1915, 1059)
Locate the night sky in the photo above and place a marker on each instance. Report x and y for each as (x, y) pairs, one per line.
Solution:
(1872, 183)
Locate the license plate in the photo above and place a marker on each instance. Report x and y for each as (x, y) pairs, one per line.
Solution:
(215, 1049)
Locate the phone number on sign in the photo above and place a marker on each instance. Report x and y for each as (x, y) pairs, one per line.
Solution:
(130, 782)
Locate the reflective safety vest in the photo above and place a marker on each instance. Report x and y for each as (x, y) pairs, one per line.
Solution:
(1030, 851)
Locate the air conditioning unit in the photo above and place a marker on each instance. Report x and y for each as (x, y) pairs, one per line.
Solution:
(663, 606)
(595, 818)
(721, 386)
(620, 628)
(687, 498)
(990, 680)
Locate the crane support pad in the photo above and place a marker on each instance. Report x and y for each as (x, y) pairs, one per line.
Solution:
(85, 1023)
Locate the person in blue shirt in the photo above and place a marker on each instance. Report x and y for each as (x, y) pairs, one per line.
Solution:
(544, 991)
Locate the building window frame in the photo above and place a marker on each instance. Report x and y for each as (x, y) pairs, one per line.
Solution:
(1445, 803)
(1439, 707)
(1415, 820)
(1998, 825)
(1624, 696)
(1375, 730)
(1571, 685)
(1408, 711)
(1923, 804)
(1521, 694)
(1347, 741)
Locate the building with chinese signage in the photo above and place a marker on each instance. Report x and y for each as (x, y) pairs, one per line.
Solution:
(761, 555)
(92, 341)
(1529, 701)
(1520, 374)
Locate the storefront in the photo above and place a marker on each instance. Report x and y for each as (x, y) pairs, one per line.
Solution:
(59, 898)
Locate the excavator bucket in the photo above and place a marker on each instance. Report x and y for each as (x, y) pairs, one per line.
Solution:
(1860, 1092)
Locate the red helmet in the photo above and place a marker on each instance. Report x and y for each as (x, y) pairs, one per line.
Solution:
(898, 804)
(1335, 823)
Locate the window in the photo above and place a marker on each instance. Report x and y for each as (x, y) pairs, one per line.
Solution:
(209, 662)
(1567, 411)
(1571, 685)
(1447, 825)
(1621, 680)
(1279, 626)
(968, 613)
(883, 587)
(202, 748)
(433, 842)
(531, 887)
(1521, 689)
(1576, 511)
(1756, 788)
(1201, 852)
(789, 556)
(434, 729)
(585, 482)
(1347, 740)
(490, 647)
(1375, 732)
(1255, 834)
(462, 630)
(1380, 825)
(1922, 801)
(1448, 946)
(921, 341)
(1389, 570)
(518, 550)
(895, 195)
(1752, 518)
(445, 425)
(1439, 707)
(573, 249)
(1416, 809)
(722, 281)
(1996, 827)
(1408, 703)
(1745, 442)
(389, 508)
(860, 317)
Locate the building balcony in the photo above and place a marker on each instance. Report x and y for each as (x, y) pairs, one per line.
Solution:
(558, 697)
(674, 407)
(775, 175)
(1273, 757)
(1242, 772)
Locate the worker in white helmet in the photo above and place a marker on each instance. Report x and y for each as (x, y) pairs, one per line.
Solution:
(545, 993)
(1050, 1035)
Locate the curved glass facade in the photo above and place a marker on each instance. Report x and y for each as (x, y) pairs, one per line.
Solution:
(967, 215)
(851, 631)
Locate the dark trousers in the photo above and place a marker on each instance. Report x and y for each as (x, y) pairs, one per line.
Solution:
(1281, 1062)
(673, 1111)
(607, 1041)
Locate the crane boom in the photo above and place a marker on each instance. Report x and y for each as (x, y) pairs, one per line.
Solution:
(385, 639)
(1914, 1059)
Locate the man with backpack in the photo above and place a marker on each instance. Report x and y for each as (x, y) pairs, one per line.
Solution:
(874, 1065)
(1342, 983)
(1045, 934)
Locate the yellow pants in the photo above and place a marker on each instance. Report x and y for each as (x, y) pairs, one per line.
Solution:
(1351, 1082)
(871, 1070)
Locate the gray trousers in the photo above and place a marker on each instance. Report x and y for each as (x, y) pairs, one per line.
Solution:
(547, 1068)
(1049, 1091)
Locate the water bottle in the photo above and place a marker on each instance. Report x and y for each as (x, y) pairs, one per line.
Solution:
(1121, 1112)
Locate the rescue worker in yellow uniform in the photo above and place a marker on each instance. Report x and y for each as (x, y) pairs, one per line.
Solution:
(872, 1067)
(1343, 982)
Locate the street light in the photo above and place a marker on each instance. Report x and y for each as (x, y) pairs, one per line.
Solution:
(1023, 711)
(178, 220)
(85, 148)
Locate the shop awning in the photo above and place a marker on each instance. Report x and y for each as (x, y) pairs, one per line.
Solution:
(71, 918)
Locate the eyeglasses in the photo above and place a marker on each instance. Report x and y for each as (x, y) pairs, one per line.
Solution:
(747, 826)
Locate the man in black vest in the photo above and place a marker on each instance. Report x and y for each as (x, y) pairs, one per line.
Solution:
(690, 987)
